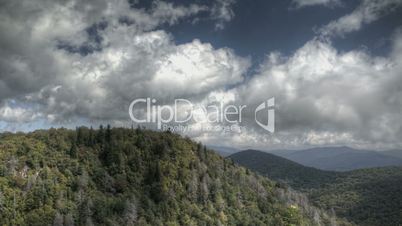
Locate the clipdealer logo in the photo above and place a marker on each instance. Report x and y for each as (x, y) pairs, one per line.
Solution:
(182, 111)
(269, 105)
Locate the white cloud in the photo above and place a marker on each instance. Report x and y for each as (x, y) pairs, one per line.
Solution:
(327, 97)
(134, 59)
(17, 114)
(323, 97)
(222, 12)
(197, 68)
(171, 13)
(367, 12)
(147, 64)
(304, 3)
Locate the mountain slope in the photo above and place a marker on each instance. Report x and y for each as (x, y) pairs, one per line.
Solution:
(339, 158)
(393, 153)
(365, 196)
(135, 177)
(278, 168)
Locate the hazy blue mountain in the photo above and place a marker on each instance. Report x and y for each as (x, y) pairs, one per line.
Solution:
(393, 153)
(223, 151)
(281, 169)
(339, 158)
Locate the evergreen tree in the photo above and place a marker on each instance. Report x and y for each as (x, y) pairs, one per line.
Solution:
(73, 151)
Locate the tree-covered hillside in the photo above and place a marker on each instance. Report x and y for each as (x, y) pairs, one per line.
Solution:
(371, 197)
(366, 196)
(283, 170)
(136, 177)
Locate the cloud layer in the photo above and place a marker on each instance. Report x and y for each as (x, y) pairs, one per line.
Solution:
(70, 62)
(90, 60)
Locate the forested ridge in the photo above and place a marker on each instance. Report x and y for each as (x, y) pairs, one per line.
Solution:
(371, 197)
(119, 176)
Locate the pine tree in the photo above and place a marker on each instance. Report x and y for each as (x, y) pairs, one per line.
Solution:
(73, 151)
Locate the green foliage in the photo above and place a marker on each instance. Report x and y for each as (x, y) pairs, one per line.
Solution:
(117, 176)
(369, 197)
(366, 196)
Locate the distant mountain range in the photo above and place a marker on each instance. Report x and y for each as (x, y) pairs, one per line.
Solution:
(342, 158)
(365, 196)
(284, 170)
(393, 153)
(222, 150)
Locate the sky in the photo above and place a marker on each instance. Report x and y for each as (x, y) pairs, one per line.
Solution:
(333, 66)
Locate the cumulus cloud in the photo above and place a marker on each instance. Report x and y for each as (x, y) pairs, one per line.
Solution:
(323, 97)
(304, 3)
(328, 97)
(102, 85)
(131, 58)
(367, 12)
(222, 12)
